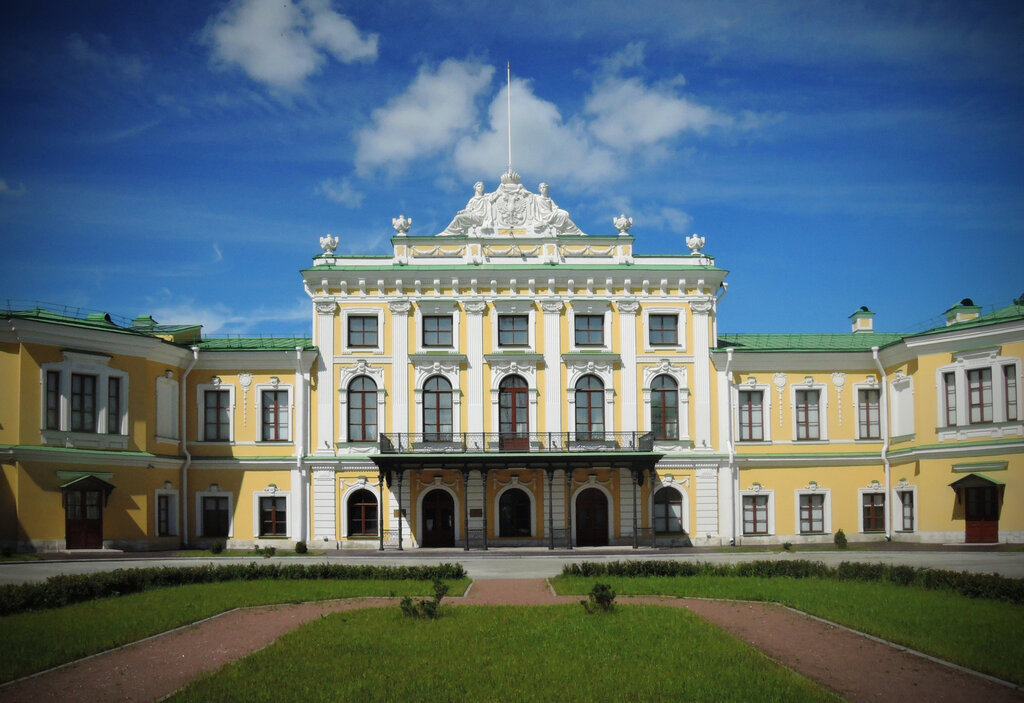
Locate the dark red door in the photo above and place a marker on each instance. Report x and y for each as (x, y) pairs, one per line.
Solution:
(438, 520)
(513, 409)
(591, 518)
(981, 509)
(83, 519)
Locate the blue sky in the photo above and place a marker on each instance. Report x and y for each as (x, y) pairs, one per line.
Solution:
(183, 158)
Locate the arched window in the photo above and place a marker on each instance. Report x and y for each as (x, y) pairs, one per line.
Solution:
(513, 412)
(668, 511)
(589, 408)
(514, 514)
(362, 410)
(362, 514)
(665, 407)
(437, 410)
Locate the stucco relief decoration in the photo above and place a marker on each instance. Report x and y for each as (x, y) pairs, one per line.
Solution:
(839, 380)
(326, 307)
(628, 306)
(400, 306)
(474, 306)
(695, 243)
(329, 244)
(622, 223)
(551, 306)
(215, 381)
(510, 206)
(401, 224)
(779, 380)
(245, 381)
(701, 305)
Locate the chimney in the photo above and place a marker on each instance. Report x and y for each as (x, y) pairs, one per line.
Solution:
(862, 321)
(962, 312)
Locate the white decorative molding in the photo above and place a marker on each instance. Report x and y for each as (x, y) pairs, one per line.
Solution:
(325, 307)
(245, 381)
(510, 207)
(779, 381)
(839, 380)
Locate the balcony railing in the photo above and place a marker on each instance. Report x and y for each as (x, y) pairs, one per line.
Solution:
(487, 442)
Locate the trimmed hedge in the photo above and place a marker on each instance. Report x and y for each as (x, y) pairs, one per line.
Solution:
(62, 590)
(968, 584)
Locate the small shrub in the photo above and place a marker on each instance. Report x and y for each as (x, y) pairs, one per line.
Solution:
(840, 539)
(601, 599)
(425, 608)
(267, 552)
(6, 552)
(217, 547)
(301, 548)
(787, 546)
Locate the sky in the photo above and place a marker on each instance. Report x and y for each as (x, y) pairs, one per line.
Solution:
(182, 159)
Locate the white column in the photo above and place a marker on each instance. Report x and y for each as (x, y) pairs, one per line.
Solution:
(475, 361)
(400, 364)
(627, 352)
(324, 527)
(702, 373)
(300, 475)
(552, 308)
(707, 500)
(326, 393)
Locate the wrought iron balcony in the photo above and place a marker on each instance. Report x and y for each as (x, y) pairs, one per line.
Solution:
(534, 442)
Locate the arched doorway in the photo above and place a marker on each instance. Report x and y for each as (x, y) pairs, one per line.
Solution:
(591, 518)
(513, 409)
(438, 519)
(514, 514)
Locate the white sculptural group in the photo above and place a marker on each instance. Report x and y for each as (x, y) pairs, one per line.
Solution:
(511, 206)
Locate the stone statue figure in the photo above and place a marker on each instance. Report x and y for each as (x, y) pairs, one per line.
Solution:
(475, 214)
(548, 213)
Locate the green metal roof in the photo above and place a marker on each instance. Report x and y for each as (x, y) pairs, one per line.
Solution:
(850, 342)
(255, 343)
(1006, 314)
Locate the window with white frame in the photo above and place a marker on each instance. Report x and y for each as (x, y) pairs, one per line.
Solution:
(437, 410)
(979, 388)
(751, 415)
(664, 329)
(437, 325)
(217, 415)
(665, 407)
(513, 330)
(590, 401)
(83, 394)
(437, 331)
(871, 511)
(362, 330)
(807, 405)
(275, 413)
(513, 326)
(758, 510)
(214, 513)
(906, 503)
(590, 325)
(362, 410)
(669, 511)
(1010, 392)
(273, 515)
(813, 511)
(869, 424)
(166, 513)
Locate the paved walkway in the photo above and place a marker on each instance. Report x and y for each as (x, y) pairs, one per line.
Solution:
(857, 667)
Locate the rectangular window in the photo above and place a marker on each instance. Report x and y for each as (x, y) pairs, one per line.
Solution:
(275, 416)
(217, 418)
(949, 386)
(874, 512)
(53, 400)
(907, 502)
(512, 330)
(1010, 389)
(979, 395)
(664, 329)
(83, 403)
(807, 415)
(751, 416)
(868, 422)
(812, 513)
(215, 516)
(589, 330)
(437, 331)
(362, 331)
(755, 515)
(114, 405)
(273, 517)
(163, 516)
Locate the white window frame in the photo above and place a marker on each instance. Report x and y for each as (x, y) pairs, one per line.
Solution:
(826, 509)
(345, 378)
(261, 388)
(167, 390)
(751, 384)
(199, 512)
(901, 405)
(771, 511)
(85, 364)
(502, 370)
(678, 373)
(348, 312)
(868, 384)
(811, 385)
(271, 493)
(670, 482)
(172, 512)
(577, 370)
(591, 307)
(361, 484)
(860, 509)
(450, 372)
(680, 314)
(201, 410)
(514, 307)
(533, 508)
(974, 361)
(437, 308)
(896, 500)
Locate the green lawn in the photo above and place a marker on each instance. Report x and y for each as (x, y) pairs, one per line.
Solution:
(38, 640)
(977, 633)
(507, 654)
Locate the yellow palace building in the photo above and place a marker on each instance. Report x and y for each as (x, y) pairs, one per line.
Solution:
(509, 381)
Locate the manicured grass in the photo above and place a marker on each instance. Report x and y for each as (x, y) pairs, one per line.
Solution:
(978, 633)
(39, 640)
(507, 654)
(206, 553)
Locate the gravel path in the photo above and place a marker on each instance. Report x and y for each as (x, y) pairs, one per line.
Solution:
(857, 667)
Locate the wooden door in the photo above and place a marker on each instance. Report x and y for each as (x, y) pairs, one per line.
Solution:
(591, 518)
(83, 519)
(438, 521)
(981, 509)
(513, 414)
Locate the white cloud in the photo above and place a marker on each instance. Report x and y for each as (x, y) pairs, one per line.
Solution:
(341, 191)
(99, 54)
(11, 191)
(280, 43)
(429, 116)
(217, 255)
(221, 319)
(662, 219)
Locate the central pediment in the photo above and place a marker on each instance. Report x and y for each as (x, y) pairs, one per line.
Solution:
(510, 211)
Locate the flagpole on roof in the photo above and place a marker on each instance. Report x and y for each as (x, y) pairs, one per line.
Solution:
(508, 67)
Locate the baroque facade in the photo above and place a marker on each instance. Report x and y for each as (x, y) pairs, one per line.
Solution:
(510, 381)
